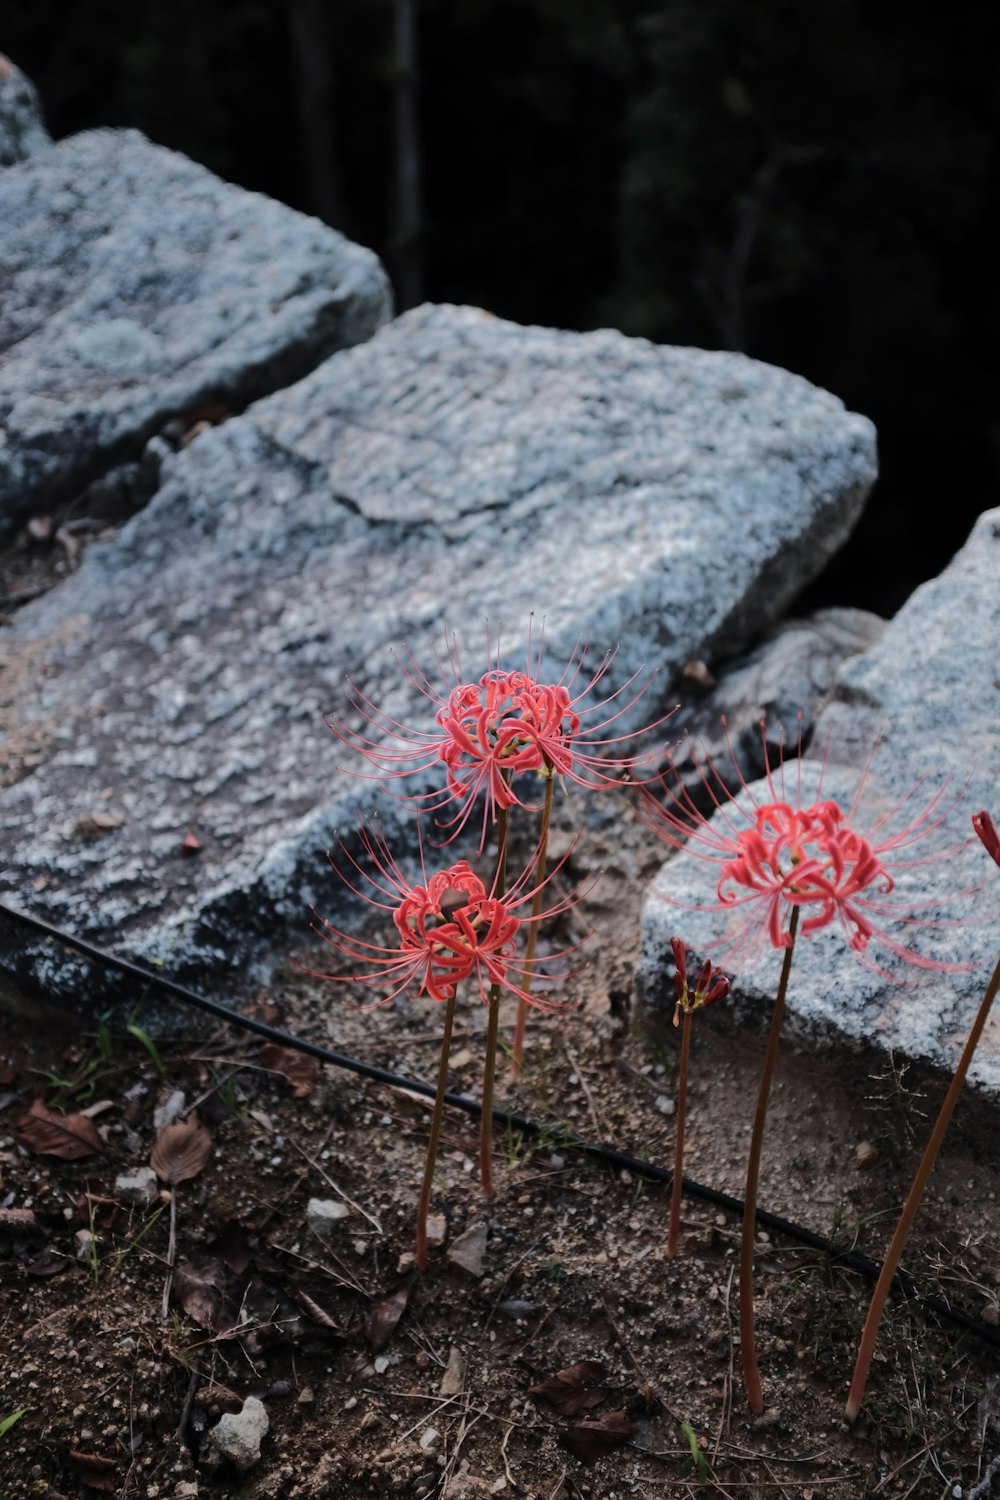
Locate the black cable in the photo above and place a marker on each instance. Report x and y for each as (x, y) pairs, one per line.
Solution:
(902, 1284)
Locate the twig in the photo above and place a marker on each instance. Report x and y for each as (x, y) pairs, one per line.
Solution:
(185, 1417)
(595, 1118)
(559, 1484)
(982, 1489)
(727, 1388)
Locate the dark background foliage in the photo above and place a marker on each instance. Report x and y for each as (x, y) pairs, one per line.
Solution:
(816, 184)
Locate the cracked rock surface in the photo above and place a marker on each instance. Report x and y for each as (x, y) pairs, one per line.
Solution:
(454, 469)
(137, 287)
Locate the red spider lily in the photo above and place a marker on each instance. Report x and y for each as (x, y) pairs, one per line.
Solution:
(504, 723)
(986, 829)
(450, 928)
(780, 853)
(711, 986)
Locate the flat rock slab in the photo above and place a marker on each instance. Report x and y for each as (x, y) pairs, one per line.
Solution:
(137, 286)
(931, 687)
(455, 468)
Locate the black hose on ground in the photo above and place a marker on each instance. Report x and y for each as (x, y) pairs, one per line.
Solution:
(903, 1285)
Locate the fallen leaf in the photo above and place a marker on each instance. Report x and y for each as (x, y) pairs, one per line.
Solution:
(318, 1314)
(49, 1263)
(590, 1441)
(46, 1133)
(190, 843)
(386, 1313)
(296, 1068)
(180, 1151)
(574, 1389)
(95, 1472)
(209, 1292)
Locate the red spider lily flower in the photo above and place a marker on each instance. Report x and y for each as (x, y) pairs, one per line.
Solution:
(493, 729)
(711, 986)
(450, 927)
(986, 829)
(781, 851)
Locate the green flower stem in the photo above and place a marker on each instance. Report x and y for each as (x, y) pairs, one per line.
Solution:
(435, 1136)
(536, 906)
(889, 1266)
(492, 1031)
(675, 1193)
(748, 1350)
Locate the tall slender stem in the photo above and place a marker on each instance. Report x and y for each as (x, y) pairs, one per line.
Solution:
(492, 1031)
(748, 1349)
(867, 1346)
(432, 1145)
(536, 906)
(682, 1083)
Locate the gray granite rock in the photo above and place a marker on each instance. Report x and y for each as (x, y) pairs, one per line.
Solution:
(787, 680)
(455, 468)
(931, 687)
(237, 1437)
(138, 286)
(22, 130)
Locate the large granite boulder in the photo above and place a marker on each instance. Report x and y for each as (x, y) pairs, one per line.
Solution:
(454, 469)
(22, 130)
(931, 688)
(138, 287)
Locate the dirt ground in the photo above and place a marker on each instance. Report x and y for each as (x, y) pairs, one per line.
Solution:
(376, 1381)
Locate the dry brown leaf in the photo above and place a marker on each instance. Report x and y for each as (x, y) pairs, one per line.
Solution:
(386, 1313)
(95, 1472)
(180, 1151)
(46, 1133)
(318, 1314)
(296, 1068)
(574, 1389)
(49, 1263)
(590, 1441)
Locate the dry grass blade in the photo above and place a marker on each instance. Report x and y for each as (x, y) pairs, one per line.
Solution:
(181, 1151)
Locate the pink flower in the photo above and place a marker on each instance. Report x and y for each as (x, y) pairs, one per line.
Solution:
(449, 927)
(711, 986)
(782, 852)
(492, 730)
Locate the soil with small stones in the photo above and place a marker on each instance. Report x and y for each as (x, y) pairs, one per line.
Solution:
(374, 1380)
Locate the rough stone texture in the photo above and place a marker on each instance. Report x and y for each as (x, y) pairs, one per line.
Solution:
(324, 1214)
(22, 131)
(138, 286)
(140, 1188)
(788, 679)
(455, 468)
(237, 1436)
(932, 686)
